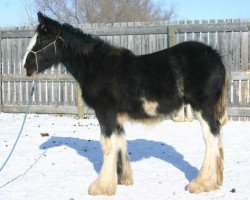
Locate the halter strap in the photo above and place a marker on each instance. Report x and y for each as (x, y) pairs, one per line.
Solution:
(35, 52)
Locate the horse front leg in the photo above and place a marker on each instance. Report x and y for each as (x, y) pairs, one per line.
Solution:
(107, 181)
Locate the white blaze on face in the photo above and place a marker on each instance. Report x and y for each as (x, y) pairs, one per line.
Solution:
(29, 48)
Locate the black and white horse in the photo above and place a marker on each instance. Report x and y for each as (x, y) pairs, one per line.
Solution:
(121, 86)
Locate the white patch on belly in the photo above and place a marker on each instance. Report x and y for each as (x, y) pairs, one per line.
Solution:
(150, 107)
(29, 48)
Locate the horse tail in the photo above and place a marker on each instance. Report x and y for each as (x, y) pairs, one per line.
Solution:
(220, 111)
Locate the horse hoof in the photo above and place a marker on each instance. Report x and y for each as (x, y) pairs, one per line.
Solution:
(98, 188)
(197, 186)
(188, 119)
(178, 119)
(126, 181)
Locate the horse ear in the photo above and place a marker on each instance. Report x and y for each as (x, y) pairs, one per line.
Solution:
(42, 20)
(41, 17)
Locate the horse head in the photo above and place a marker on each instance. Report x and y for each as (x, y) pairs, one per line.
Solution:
(44, 49)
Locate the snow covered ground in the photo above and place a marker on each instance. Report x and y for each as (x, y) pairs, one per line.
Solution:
(164, 159)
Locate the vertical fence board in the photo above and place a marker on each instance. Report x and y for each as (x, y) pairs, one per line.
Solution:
(244, 67)
(131, 39)
(124, 38)
(212, 37)
(1, 66)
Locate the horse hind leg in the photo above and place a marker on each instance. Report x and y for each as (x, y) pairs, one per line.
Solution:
(223, 120)
(188, 113)
(220, 111)
(124, 170)
(179, 115)
(210, 176)
(184, 114)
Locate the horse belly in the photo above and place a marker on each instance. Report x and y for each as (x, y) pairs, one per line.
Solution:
(149, 111)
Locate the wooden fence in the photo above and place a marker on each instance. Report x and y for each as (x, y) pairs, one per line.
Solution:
(57, 91)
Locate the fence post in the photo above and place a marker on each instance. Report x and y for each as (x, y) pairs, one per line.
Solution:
(171, 35)
(244, 67)
(80, 104)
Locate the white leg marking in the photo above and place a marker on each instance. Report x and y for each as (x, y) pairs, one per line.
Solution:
(189, 115)
(126, 177)
(29, 48)
(211, 174)
(106, 183)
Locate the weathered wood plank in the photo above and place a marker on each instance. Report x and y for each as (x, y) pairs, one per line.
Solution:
(41, 109)
(138, 41)
(40, 77)
(65, 109)
(145, 44)
(124, 38)
(171, 36)
(218, 27)
(236, 112)
(1, 66)
(117, 38)
(244, 67)
(138, 30)
(243, 75)
(100, 31)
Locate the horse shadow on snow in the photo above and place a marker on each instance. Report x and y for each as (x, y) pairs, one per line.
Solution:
(138, 149)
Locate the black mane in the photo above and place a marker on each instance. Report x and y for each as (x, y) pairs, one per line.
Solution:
(76, 42)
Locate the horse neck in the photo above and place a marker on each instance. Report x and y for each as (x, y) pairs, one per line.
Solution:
(74, 52)
(73, 64)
